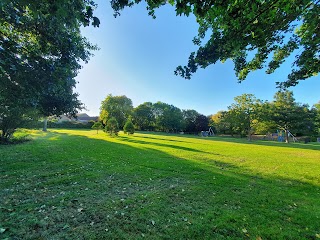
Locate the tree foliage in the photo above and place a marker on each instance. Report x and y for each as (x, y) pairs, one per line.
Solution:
(168, 117)
(112, 126)
(40, 52)
(245, 113)
(11, 118)
(201, 123)
(245, 117)
(249, 115)
(316, 110)
(128, 127)
(190, 120)
(220, 123)
(97, 126)
(291, 116)
(238, 29)
(143, 116)
(118, 107)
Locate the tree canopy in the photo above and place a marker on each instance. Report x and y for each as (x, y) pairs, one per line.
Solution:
(240, 29)
(168, 117)
(245, 111)
(290, 115)
(249, 115)
(128, 127)
(190, 119)
(112, 126)
(40, 52)
(143, 116)
(118, 107)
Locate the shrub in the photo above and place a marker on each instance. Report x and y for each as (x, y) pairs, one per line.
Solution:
(112, 127)
(18, 136)
(97, 126)
(128, 127)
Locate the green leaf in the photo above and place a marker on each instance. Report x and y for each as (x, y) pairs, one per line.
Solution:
(171, 2)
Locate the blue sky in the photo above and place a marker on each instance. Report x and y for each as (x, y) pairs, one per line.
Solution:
(138, 56)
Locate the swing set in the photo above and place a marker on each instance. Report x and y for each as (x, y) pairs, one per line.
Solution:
(208, 133)
(281, 136)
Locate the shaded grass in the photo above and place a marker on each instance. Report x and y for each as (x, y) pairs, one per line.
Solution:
(82, 185)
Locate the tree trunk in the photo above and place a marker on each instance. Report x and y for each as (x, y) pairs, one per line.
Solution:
(249, 129)
(3, 138)
(45, 124)
(249, 135)
(286, 132)
(5, 135)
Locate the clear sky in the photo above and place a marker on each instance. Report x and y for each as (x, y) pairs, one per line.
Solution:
(138, 56)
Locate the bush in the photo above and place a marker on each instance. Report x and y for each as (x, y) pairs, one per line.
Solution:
(97, 126)
(112, 127)
(128, 127)
(19, 136)
(314, 138)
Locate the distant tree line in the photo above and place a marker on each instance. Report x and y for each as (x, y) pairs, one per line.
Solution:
(149, 116)
(245, 117)
(249, 115)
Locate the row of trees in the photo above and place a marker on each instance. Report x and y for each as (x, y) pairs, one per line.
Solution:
(245, 117)
(249, 115)
(157, 116)
(112, 127)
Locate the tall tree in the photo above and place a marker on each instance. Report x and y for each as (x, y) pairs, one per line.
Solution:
(58, 100)
(245, 112)
(201, 123)
(97, 126)
(40, 50)
(234, 29)
(118, 107)
(316, 109)
(143, 116)
(264, 124)
(190, 119)
(128, 127)
(168, 117)
(290, 115)
(221, 123)
(112, 126)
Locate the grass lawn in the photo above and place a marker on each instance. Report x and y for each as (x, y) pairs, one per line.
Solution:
(76, 184)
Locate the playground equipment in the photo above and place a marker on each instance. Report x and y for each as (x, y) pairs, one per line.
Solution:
(210, 132)
(207, 133)
(293, 137)
(281, 136)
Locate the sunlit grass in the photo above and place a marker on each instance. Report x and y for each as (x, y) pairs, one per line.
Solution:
(293, 161)
(77, 184)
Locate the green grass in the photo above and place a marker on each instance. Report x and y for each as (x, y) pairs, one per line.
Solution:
(76, 184)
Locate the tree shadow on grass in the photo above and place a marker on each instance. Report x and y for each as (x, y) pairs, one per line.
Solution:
(299, 145)
(84, 188)
(310, 146)
(128, 139)
(158, 138)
